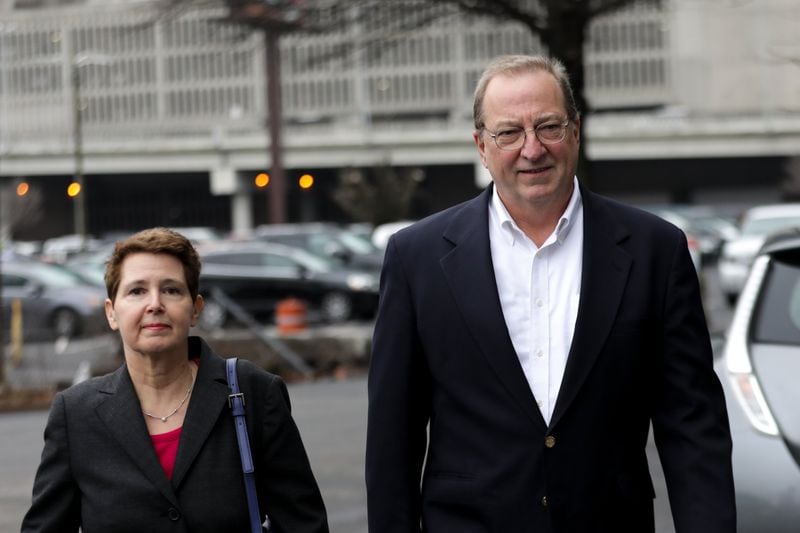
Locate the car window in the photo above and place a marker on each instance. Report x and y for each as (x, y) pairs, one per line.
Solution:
(240, 259)
(289, 240)
(324, 244)
(53, 275)
(777, 315)
(11, 280)
(275, 260)
(356, 243)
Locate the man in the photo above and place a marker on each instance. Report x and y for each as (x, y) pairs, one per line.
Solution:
(535, 332)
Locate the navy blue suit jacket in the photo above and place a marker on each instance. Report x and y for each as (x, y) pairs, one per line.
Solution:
(446, 389)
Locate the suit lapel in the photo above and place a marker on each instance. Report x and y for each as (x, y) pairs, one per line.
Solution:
(605, 273)
(123, 418)
(209, 398)
(470, 275)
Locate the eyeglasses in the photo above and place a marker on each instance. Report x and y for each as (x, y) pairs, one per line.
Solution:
(514, 138)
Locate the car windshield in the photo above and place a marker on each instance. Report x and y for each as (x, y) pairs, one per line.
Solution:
(356, 244)
(764, 226)
(312, 262)
(53, 276)
(777, 315)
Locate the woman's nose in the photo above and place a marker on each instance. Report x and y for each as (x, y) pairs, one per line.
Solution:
(154, 302)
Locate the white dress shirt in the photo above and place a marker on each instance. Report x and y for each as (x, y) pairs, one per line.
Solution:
(539, 292)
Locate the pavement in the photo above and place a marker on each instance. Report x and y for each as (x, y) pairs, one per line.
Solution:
(331, 416)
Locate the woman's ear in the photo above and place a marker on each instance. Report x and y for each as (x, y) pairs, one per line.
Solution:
(110, 315)
(197, 309)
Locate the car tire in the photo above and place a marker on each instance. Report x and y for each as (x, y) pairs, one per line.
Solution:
(213, 316)
(336, 307)
(65, 323)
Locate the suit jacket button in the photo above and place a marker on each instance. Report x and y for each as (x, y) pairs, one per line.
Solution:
(173, 514)
(549, 441)
(545, 501)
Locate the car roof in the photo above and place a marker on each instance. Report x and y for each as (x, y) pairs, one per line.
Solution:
(773, 210)
(788, 239)
(298, 229)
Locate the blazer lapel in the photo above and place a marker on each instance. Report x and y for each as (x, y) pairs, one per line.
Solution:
(209, 397)
(605, 273)
(122, 415)
(470, 275)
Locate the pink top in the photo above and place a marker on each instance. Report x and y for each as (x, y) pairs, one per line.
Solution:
(166, 445)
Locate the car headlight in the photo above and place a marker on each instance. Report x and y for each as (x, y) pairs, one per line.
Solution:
(737, 356)
(361, 282)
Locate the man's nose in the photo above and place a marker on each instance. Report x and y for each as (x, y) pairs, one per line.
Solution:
(532, 148)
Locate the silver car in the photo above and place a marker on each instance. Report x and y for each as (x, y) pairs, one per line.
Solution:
(738, 253)
(759, 370)
(54, 301)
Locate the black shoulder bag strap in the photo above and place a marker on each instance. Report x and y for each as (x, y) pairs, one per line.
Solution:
(236, 403)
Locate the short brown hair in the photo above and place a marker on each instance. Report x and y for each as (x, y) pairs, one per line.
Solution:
(155, 241)
(520, 64)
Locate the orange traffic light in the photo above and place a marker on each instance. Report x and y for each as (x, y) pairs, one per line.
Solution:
(262, 180)
(73, 189)
(23, 188)
(306, 181)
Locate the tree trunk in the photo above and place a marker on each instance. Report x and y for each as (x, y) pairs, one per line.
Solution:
(564, 38)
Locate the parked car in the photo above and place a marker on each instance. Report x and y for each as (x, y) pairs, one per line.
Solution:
(737, 254)
(258, 275)
(56, 302)
(708, 226)
(759, 371)
(382, 232)
(684, 224)
(328, 241)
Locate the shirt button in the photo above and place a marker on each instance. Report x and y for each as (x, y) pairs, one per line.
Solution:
(549, 441)
(539, 353)
(173, 514)
(539, 302)
(545, 501)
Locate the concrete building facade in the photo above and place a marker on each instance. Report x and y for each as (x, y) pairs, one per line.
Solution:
(165, 116)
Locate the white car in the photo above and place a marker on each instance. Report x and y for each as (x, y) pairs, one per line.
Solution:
(738, 254)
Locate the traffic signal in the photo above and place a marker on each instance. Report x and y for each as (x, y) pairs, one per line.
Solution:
(73, 189)
(306, 181)
(262, 180)
(23, 188)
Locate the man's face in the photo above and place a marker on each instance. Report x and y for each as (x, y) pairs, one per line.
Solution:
(536, 175)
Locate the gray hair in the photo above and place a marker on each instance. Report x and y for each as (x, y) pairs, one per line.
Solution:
(520, 64)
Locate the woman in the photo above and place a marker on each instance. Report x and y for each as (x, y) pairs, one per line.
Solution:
(151, 446)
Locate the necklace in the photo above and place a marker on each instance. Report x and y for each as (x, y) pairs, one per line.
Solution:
(165, 417)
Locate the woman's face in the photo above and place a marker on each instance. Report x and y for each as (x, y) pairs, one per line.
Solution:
(152, 309)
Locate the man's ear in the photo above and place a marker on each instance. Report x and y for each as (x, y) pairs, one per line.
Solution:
(477, 135)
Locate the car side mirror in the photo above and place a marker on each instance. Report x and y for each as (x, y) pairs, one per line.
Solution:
(302, 271)
(36, 290)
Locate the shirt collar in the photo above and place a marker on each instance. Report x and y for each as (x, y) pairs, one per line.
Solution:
(510, 229)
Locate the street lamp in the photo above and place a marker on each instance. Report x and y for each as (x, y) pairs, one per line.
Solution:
(77, 189)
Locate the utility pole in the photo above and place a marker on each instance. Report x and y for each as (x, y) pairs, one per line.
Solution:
(277, 193)
(274, 18)
(79, 207)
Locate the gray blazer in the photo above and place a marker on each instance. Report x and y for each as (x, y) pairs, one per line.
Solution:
(99, 470)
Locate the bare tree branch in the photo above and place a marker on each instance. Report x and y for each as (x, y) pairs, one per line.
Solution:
(601, 7)
(535, 18)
